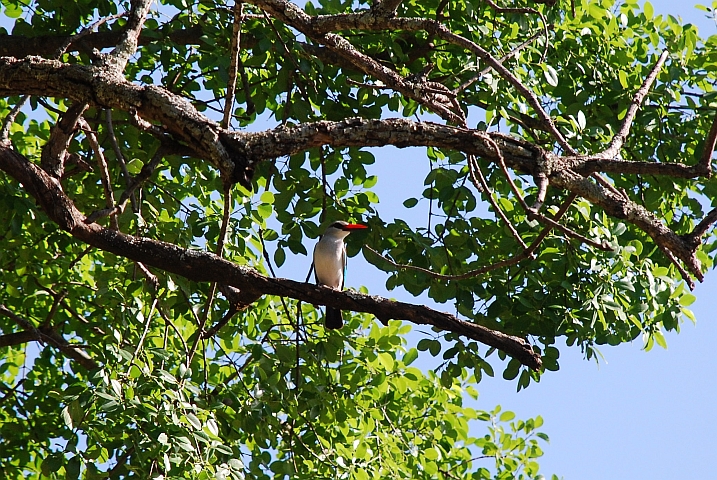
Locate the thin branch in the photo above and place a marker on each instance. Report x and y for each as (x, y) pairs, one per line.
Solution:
(683, 273)
(120, 158)
(54, 152)
(526, 10)
(502, 59)
(462, 276)
(619, 138)
(83, 33)
(317, 28)
(265, 253)
(219, 251)
(695, 238)
(233, 64)
(44, 334)
(140, 342)
(294, 16)
(169, 322)
(58, 298)
(10, 119)
(533, 214)
(104, 171)
(482, 185)
(527, 253)
(706, 159)
(135, 183)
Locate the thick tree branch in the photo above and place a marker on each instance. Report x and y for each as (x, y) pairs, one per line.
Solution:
(369, 21)
(104, 88)
(209, 141)
(19, 46)
(619, 207)
(292, 15)
(517, 154)
(203, 266)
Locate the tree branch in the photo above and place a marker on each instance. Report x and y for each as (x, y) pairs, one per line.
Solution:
(294, 16)
(43, 333)
(97, 85)
(128, 43)
(619, 138)
(207, 267)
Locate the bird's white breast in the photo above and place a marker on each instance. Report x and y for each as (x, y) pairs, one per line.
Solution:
(329, 261)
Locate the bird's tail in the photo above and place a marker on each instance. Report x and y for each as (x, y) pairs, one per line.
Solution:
(334, 319)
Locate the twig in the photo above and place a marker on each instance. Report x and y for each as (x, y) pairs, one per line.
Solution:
(58, 298)
(532, 214)
(151, 278)
(46, 334)
(322, 157)
(104, 171)
(481, 183)
(502, 59)
(463, 276)
(527, 253)
(213, 287)
(233, 64)
(683, 273)
(619, 138)
(147, 323)
(526, 10)
(317, 28)
(135, 183)
(169, 322)
(85, 31)
(288, 55)
(706, 159)
(120, 158)
(10, 118)
(265, 253)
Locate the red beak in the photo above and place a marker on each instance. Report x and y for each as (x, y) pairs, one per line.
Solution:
(354, 226)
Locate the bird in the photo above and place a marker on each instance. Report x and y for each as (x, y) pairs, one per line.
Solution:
(330, 264)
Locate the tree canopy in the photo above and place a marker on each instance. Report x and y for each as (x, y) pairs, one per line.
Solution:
(160, 159)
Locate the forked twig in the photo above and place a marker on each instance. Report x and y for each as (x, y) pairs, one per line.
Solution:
(481, 183)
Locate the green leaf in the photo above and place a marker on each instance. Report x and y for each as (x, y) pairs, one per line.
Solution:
(410, 202)
(659, 339)
(410, 356)
(551, 76)
(134, 166)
